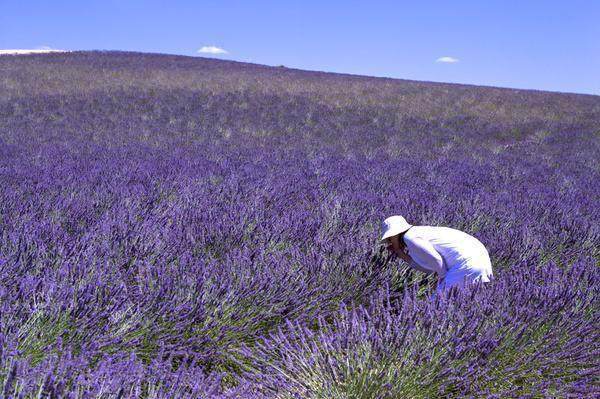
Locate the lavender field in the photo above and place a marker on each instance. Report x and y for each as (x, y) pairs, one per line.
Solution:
(185, 227)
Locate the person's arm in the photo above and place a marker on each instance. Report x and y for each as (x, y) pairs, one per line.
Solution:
(425, 255)
(406, 257)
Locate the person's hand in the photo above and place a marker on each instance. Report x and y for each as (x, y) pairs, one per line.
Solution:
(405, 256)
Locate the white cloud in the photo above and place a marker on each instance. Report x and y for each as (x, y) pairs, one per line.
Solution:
(447, 60)
(39, 50)
(212, 50)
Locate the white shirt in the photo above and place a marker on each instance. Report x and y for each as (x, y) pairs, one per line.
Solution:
(443, 249)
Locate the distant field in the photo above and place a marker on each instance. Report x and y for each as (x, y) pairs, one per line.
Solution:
(185, 227)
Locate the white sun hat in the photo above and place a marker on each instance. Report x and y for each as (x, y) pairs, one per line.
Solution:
(394, 225)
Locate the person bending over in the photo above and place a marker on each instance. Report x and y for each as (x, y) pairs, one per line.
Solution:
(455, 256)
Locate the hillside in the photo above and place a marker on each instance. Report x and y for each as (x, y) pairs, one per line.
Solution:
(177, 226)
(189, 94)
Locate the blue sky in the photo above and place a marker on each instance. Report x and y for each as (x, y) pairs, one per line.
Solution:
(545, 45)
